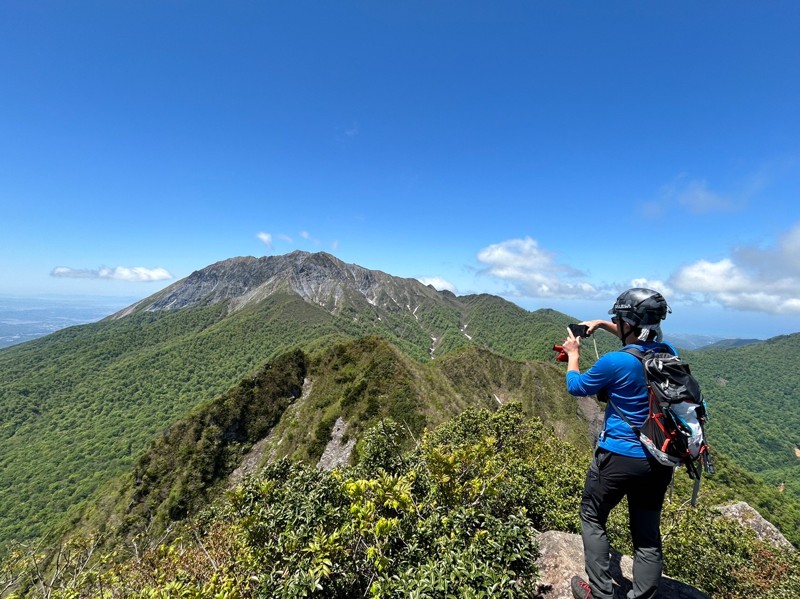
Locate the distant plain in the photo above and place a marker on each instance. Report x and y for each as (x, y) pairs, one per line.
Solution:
(25, 318)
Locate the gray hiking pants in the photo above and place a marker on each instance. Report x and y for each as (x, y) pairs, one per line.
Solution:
(610, 478)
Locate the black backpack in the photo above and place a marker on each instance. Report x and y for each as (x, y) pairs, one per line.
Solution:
(674, 431)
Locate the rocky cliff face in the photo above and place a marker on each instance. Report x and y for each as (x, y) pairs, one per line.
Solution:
(318, 278)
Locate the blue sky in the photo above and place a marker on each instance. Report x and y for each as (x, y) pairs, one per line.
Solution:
(554, 153)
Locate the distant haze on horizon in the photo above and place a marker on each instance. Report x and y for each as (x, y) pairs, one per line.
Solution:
(685, 320)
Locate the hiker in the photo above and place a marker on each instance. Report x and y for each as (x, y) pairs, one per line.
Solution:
(621, 466)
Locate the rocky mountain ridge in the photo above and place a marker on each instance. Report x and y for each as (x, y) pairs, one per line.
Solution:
(319, 278)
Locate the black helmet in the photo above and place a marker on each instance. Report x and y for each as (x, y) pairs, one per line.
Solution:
(641, 307)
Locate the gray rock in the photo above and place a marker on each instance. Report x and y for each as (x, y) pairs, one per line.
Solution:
(337, 452)
(561, 557)
(750, 518)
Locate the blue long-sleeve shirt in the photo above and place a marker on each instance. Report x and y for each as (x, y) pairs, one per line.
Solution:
(621, 375)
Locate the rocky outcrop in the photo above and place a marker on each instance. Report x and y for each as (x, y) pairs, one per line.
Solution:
(250, 463)
(561, 557)
(338, 450)
(750, 518)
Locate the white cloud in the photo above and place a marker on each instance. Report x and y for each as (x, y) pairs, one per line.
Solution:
(266, 238)
(438, 283)
(307, 236)
(269, 239)
(753, 278)
(119, 273)
(533, 271)
(693, 195)
(696, 197)
(762, 278)
(656, 284)
(781, 260)
(710, 277)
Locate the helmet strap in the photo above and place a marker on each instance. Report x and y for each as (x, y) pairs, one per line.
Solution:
(621, 327)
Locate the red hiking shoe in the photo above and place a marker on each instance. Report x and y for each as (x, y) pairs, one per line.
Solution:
(580, 588)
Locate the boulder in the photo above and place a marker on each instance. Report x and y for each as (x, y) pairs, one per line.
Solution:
(750, 518)
(561, 557)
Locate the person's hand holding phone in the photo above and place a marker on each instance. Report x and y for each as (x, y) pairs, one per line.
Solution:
(572, 344)
(578, 330)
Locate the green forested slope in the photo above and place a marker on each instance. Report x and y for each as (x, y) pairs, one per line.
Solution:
(365, 381)
(362, 381)
(82, 404)
(507, 329)
(753, 394)
(79, 406)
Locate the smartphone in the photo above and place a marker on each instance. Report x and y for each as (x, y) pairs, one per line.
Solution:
(579, 330)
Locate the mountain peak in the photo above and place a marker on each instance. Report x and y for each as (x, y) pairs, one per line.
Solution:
(319, 278)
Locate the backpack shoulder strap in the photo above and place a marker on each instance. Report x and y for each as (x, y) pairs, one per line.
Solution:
(634, 351)
(625, 419)
(667, 349)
